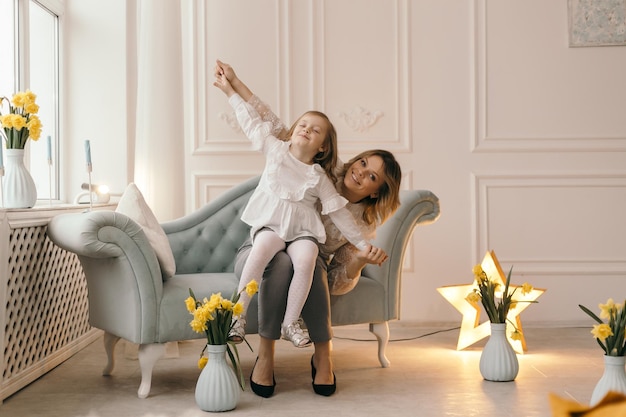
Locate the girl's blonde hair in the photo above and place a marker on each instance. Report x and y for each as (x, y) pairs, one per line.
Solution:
(327, 159)
(379, 208)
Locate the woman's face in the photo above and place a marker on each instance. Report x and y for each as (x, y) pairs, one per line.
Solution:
(364, 178)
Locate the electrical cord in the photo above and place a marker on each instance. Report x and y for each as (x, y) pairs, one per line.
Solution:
(399, 340)
(424, 335)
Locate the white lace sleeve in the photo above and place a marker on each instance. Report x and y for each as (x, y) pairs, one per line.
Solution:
(339, 282)
(257, 131)
(279, 129)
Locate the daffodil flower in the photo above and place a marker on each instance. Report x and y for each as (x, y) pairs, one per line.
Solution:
(496, 301)
(202, 362)
(21, 122)
(214, 317)
(610, 334)
(601, 331)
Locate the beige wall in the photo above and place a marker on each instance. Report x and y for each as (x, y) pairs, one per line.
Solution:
(522, 137)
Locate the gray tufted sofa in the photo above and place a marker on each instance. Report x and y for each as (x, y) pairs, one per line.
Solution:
(129, 299)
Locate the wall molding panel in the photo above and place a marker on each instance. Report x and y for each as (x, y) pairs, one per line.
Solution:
(209, 185)
(482, 140)
(392, 117)
(198, 85)
(526, 218)
(382, 124)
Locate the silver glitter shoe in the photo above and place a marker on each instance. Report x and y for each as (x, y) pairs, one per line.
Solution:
(238, 330)
(294, 333)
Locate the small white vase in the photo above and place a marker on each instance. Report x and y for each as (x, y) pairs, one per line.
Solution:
(18, 188)
(498, 361)
(217, 388)
(613, 379)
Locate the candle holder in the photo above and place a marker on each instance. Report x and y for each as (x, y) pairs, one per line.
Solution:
(89, 183)
(88, 160)
(49, 170)
(50, 181)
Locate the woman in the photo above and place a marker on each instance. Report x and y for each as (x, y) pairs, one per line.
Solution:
(371, 183)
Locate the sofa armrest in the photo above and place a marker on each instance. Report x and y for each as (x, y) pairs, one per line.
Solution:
(95, 233)
(417, 207)
(123, 275)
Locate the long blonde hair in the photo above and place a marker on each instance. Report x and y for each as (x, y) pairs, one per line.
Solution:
(379, 209)
(327, 158)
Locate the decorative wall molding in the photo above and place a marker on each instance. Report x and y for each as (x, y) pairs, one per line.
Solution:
(600, 262)
(210, 184)
(360, 119)
(483, 141)
(198, 67)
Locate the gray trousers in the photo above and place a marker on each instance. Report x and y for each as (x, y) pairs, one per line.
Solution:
(272, 297)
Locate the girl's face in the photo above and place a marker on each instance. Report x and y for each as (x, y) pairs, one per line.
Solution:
(309, 134)
(364, 178)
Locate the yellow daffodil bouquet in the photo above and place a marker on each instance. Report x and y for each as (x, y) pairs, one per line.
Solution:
(495, 302)
(610, 335)
(21, 122)
(214, 317)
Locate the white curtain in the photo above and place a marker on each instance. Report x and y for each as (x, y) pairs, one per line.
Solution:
(159, 141)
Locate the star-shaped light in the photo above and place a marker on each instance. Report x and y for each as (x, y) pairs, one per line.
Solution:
(471, 329)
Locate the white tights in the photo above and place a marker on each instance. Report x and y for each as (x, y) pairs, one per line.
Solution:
(303, 254)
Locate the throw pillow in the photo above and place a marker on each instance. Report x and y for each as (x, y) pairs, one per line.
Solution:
(133, 205)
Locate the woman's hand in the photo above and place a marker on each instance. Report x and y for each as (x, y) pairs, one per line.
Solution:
(372, 255)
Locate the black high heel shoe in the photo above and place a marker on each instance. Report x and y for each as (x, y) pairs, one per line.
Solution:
(323, 389)
(264, 391)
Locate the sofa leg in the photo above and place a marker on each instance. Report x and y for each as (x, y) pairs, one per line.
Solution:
(110, 341)
(148, 355)
(381, 331)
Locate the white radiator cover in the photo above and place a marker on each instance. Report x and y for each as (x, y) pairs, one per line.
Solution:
(44, 314)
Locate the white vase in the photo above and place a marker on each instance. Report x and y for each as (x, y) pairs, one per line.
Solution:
(217, 388)
(18, 187)
(613, 379)
(498, 361)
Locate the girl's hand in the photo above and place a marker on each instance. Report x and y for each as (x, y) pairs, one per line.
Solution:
(222, 68)
(373, 255)
(223, 84)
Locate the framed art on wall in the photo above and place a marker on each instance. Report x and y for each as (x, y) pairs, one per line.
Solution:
(596, 22)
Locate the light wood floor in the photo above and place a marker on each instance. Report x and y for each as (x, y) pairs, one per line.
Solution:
(427, 377)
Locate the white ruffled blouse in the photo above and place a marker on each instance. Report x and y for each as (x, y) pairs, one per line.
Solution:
(285, 199)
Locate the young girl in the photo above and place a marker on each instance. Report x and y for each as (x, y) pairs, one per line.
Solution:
(282, 210)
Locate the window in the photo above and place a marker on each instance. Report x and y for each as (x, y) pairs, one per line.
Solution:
(30, 33)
